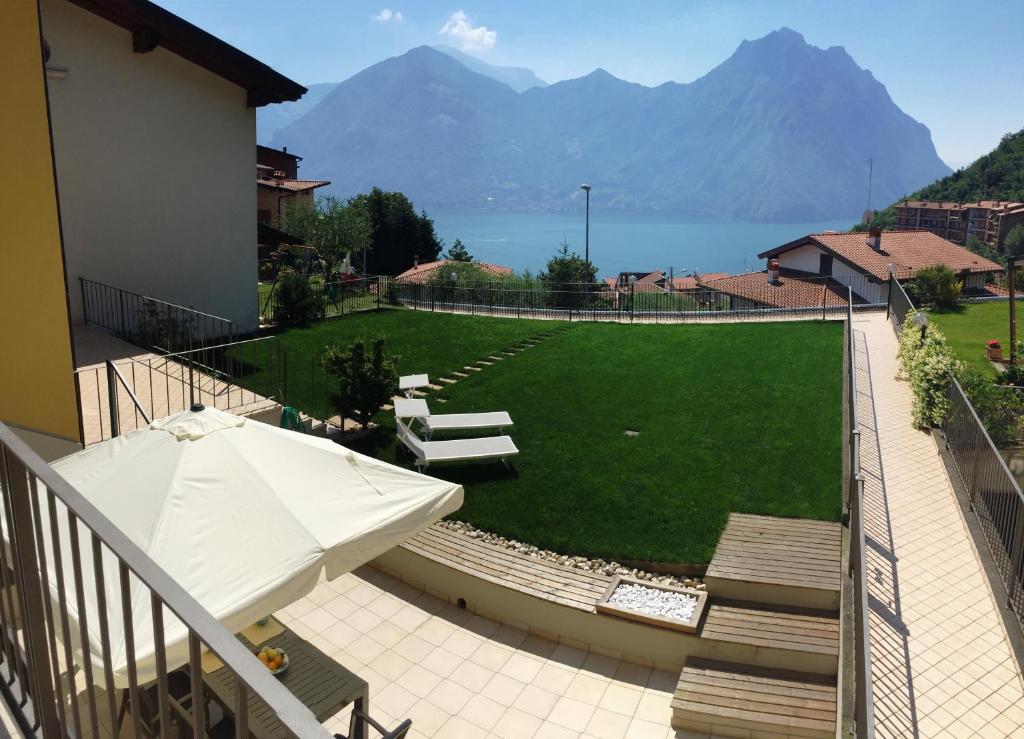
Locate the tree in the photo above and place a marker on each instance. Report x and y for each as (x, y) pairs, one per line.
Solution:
(458, 252)
(332, 227)
(937, 286)
(295, 302)
(398, 235)
(1013, 243)
(568, 267)
(364, 382)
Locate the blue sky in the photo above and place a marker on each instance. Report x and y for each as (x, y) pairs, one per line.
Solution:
(954, 67)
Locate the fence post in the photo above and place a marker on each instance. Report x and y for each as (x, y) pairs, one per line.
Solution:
(115, 421)
(26, 572)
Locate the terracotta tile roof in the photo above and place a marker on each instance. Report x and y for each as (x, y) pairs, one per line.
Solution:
(907, 251)
(291, 185)
(419, 275)
(786, 292)
(691, 282)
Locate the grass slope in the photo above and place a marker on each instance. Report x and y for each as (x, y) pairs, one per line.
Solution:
(970, 325)
(435, 343)
(732, 417)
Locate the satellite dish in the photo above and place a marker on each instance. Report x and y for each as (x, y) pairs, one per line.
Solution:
(868, 217)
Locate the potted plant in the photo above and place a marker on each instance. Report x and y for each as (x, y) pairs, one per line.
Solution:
(995, 350)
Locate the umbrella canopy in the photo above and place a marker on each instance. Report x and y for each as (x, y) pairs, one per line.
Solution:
(243, 515)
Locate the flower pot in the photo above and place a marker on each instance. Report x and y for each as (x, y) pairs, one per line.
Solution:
(994, 353)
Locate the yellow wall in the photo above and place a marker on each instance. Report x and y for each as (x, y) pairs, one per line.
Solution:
(37, 388)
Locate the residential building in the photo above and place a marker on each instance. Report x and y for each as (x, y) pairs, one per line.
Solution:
(153, 129)
(987, 221)
(659, 281)
(864, 261)
(278, 184)
(420, 274)
(760, 290)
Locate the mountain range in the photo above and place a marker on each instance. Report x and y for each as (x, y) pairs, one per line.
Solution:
(780, 131)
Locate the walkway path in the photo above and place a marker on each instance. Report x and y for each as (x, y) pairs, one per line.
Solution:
(942, 665)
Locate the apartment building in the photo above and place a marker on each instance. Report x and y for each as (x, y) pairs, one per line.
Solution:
(987, 220)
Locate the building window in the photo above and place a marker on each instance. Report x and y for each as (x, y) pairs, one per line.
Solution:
(825, 265)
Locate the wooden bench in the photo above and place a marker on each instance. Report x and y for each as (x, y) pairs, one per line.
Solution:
(783, 561)
(794, 638)
(537, 577)
(720, 698)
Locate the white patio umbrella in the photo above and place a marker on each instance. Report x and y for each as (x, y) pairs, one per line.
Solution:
(243, 515)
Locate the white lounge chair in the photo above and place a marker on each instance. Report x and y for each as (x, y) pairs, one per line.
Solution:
(408, 383)
(417, 409)
(455, 450)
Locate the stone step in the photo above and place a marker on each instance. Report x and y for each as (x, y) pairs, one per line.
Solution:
(728, 699)
(448, 381)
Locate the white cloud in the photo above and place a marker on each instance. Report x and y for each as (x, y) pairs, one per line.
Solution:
(471, 38)
(387, 14)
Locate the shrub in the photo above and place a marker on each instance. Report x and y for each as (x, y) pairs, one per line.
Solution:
(1000, 408)
(937, 286)
(266, 271)
(364, 381)
(296, 302)
(926, 361)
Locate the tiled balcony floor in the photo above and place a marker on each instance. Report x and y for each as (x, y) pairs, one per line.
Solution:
(458, 675)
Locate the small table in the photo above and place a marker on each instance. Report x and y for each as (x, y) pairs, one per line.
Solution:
(320, 683)
(408, 383)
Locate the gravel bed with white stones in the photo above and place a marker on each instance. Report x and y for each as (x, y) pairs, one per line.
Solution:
(654, 601)
(585, 564)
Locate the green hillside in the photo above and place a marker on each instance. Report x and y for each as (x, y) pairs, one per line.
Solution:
(999, 175)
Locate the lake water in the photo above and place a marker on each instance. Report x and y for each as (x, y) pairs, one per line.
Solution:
(619, 242)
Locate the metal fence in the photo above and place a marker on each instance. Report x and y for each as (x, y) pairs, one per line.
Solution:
(123, 395)
(863, 710)
(66, 574)
(898, 305)
(151, 323)
(803, 297)
(994, 494)
(331, 298)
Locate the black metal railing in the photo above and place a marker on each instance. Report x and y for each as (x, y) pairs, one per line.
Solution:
(149, 322)
(994, 494)
(332, 298)
(810, 297)
(67, 575)
(863, 709)
(126, 394)
(897, 305)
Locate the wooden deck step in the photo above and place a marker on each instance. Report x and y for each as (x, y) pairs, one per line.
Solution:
(725, 699)
(540, 578)
(772, 636)
(783, 561)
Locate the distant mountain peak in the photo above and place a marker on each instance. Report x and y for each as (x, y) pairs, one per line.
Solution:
(519, 79)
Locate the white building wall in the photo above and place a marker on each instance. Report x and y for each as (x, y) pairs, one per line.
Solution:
(806, 259)
(155, 159)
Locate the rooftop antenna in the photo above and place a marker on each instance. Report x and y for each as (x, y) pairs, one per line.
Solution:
(871, 171)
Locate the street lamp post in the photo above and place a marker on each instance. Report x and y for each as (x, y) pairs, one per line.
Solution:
(586, 252)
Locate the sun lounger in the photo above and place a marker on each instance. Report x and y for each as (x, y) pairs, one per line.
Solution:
(455, 450)
(416, 408)
(408, 383)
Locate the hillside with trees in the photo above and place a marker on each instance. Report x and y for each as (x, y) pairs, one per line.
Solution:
(998, 175)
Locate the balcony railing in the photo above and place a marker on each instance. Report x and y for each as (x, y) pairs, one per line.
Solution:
(61, 563)
(864, 720)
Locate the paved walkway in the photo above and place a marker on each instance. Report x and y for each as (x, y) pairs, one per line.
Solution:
(942, 665)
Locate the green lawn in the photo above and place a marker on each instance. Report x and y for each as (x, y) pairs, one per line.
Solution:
(434, 343)
(732, 417)
(970, 325)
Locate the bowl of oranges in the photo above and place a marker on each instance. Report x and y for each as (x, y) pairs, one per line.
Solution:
(273, 659)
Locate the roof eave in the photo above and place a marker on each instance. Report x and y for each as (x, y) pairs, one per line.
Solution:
(152, 26)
